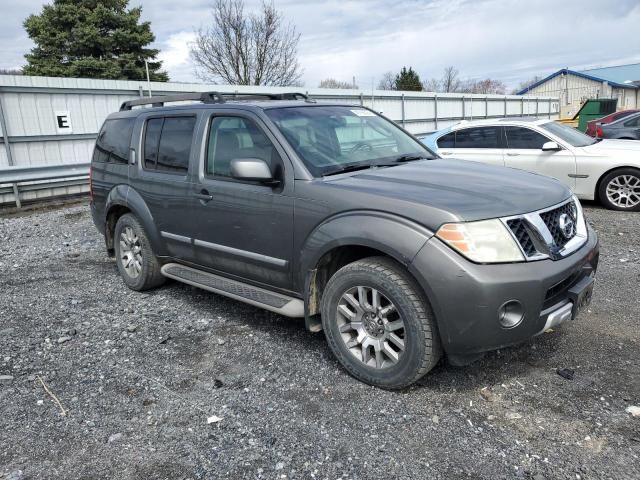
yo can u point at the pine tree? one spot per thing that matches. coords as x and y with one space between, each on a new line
408 80
91 39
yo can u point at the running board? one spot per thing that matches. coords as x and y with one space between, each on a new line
259 297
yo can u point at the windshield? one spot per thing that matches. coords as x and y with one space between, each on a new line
569 134
332 139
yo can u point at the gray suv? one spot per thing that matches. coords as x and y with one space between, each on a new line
333 213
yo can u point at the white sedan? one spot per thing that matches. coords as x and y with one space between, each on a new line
606 170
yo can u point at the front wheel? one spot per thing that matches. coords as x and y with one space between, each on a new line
620 190
379 324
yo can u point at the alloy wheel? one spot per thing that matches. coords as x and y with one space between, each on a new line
130 252
624 191
371 327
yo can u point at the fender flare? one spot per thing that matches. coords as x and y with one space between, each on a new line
123 195
395 236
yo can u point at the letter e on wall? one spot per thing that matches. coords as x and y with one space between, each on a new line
63 122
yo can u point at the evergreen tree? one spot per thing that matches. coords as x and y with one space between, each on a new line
408 80
93 39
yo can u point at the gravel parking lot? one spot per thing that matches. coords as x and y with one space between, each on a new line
139 375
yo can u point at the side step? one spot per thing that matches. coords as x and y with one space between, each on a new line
259 297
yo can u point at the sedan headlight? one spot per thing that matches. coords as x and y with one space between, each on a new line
486 241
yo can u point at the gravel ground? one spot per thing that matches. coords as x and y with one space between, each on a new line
140 374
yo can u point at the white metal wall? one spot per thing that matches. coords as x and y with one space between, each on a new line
29 105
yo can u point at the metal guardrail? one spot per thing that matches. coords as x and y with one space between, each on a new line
18 176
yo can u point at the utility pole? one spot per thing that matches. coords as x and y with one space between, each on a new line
146 66
373 101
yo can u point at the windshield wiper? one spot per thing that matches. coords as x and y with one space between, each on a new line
364 166
409 158
351 168
360 166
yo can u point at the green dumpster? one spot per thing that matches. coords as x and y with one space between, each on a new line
594 109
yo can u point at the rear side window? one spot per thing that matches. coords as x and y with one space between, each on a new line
634 122
619 115
480 137
524 138
112 144
448 141
167 144
151 141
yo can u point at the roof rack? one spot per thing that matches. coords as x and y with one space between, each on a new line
209 97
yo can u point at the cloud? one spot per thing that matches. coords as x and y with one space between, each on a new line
174 53
495 38
503 39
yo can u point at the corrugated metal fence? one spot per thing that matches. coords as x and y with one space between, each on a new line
54 121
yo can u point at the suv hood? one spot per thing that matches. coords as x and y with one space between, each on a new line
468 190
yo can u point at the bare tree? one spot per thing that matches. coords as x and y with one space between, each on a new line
432 85
526 84
387 82
450 81
486 86
333 83
247 49
11 71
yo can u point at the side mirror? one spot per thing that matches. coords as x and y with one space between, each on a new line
551 147
251 169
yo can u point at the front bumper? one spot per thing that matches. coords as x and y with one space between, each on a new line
466 297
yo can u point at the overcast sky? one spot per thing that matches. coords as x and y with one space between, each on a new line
505 39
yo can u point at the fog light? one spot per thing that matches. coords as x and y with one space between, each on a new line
511 314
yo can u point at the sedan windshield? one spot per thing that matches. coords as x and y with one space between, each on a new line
569 134
336 139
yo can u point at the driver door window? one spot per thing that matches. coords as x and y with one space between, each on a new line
236 137
524 151
524 138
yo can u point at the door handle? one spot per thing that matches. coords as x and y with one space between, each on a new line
445 153
512 154
204 195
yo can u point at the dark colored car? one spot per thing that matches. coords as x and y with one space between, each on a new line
612 117
336 214
627 128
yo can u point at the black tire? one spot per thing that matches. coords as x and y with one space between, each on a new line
149 275
422 346
608 178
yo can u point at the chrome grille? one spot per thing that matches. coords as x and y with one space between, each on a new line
551 219
550 233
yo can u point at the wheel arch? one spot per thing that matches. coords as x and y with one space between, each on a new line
612 169
347 238
123 199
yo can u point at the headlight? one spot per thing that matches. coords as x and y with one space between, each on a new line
487 241
581 222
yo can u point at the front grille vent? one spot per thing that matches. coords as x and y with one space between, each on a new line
519 230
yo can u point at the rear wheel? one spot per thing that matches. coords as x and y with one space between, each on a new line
136 261
620 190
379 324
